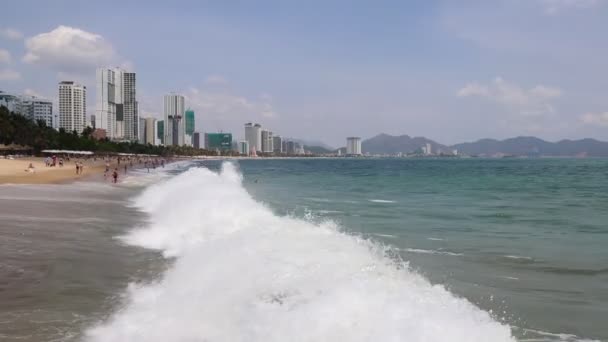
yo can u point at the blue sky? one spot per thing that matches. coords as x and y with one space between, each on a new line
322 70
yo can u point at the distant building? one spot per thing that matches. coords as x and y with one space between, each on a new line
32 107
267 141
93 124
196 140
189 129
99 134
150 131
253 135
353 146
277 144
428 150
37 109
72 106
174 133
218 141
116 108
160 131
290 147
141 134
455 152
244 147
10 101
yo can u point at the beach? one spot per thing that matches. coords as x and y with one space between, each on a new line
16 171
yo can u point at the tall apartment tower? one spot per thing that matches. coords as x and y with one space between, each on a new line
253 135
277 144
174 123
116 108
72 106
353 146
267 141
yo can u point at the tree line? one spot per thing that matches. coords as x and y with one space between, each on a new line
37 136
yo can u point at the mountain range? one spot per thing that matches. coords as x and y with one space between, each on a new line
519 146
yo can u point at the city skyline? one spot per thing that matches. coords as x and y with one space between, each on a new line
437 70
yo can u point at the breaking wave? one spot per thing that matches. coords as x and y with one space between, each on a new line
242 273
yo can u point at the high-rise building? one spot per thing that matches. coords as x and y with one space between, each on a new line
117 108
267 141
174 120
353 146
218 141
150 131
253 135
189 122
277 144
244 147
72 106
141 135
10 101
37 109
196 140
32 107
160 131
429 149
93 121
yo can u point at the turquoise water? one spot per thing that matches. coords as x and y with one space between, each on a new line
526 239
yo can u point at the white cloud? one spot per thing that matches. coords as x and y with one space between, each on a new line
216 80
32 92
534 101
555 6
9 75
68 49
11 34
597 119
5 56
224 110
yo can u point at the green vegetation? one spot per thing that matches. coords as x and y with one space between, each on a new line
36 136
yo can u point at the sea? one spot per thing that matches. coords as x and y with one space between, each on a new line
311 250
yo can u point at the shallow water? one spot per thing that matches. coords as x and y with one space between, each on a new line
340 249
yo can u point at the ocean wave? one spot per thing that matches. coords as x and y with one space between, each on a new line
242 273
381 201
430 251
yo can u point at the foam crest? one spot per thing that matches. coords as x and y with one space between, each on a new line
242 273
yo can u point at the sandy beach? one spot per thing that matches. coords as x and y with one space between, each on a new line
15 171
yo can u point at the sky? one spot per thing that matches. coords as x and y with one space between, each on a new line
452 71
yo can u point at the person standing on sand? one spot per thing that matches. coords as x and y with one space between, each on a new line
77 168
125 169
115 175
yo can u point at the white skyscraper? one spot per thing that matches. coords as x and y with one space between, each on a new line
429 149
117 109
253 135
150 131
72 106
267 141
174 119
353 146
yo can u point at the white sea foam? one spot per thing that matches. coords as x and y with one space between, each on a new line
434 239
518 257
430 251
242 273
381 201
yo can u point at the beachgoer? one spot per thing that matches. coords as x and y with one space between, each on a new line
115 175
30 168
125 169
77 168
